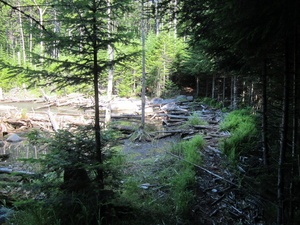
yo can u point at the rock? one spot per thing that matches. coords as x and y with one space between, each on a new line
14 138
2 144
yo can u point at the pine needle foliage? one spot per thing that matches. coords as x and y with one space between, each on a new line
66 189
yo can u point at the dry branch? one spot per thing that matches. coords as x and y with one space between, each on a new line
202 168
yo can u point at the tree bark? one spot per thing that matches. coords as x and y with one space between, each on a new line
22 38
111 68
143 69
283 136
234 93
197 89
213 87
265 148
96 96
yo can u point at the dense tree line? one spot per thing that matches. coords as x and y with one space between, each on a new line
255 44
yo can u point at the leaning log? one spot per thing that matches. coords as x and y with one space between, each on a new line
53 121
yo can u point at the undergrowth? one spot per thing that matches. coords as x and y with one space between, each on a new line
151 191
214 103
243 138
162 188
193 119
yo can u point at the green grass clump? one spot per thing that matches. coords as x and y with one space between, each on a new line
184 181
171 185
189 150
211 102
243 133
194 119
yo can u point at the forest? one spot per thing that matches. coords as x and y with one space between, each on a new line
238 59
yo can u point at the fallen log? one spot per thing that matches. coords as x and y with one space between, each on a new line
175 131
213 122
202 127
16 173
53 121
178 117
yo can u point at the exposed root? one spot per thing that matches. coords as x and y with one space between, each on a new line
141 135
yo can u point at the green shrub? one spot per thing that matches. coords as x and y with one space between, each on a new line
189 150
195 119
71 192
243 133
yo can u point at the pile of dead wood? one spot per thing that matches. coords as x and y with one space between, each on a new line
171 115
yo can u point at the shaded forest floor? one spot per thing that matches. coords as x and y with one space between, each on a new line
219 197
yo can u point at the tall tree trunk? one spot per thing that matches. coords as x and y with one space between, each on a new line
156 18
264 132
143 69
96 96
224 91
22 38
175 19
111 68
293 203
283 136
41 21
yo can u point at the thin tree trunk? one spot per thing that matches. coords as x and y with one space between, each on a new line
41 21
250 99
224 89
175 19
265 148
213 87
156 18
295 135
96 96
143 69
111 68
234 92
197 90
22 38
